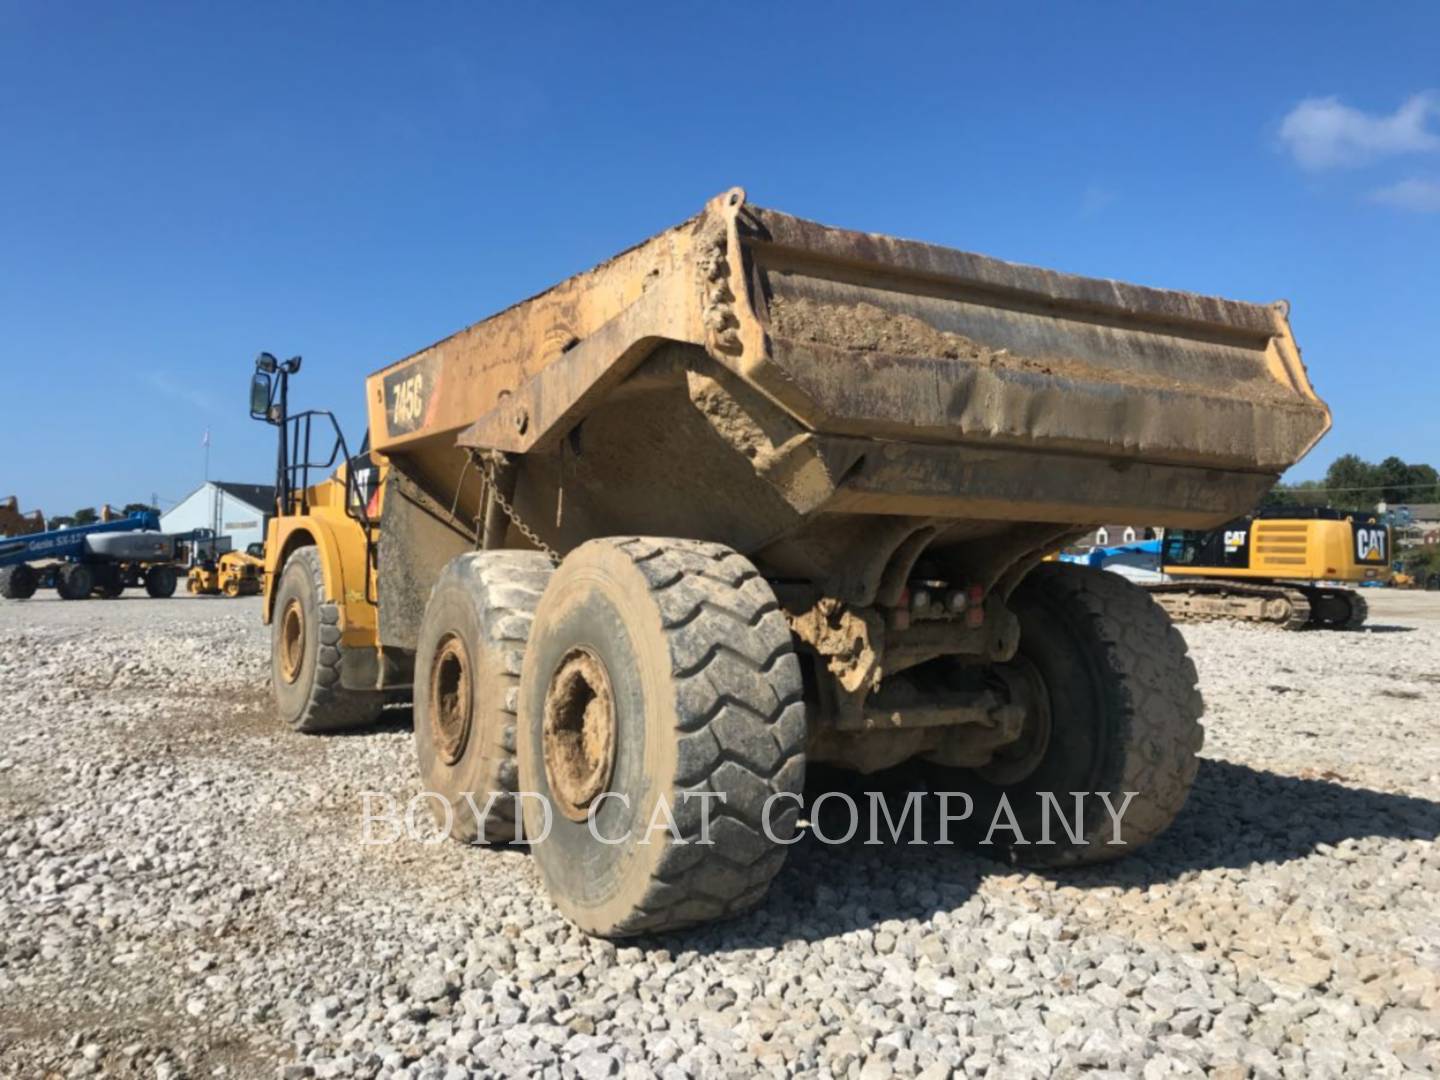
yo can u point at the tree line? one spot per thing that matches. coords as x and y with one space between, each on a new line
1352 483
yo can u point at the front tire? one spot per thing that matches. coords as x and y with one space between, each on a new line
305 653
467 678
18 582
658 668
1122 712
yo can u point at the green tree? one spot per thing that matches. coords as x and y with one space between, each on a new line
1353 483
1393 476
86 515
1305 493
1422 483
140 508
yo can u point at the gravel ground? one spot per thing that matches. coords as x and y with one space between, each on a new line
185 893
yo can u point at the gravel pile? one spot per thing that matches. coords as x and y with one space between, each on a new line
185 894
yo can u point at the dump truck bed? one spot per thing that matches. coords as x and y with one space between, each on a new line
762 380
855 333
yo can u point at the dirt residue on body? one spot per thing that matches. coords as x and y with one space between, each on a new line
867 328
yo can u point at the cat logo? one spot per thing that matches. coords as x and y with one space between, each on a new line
1370 544
1234 539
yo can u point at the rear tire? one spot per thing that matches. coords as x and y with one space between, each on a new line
305 653
467 679
18 582
75 581
657 668
160 581
1124 716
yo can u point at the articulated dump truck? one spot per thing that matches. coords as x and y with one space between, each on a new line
759 493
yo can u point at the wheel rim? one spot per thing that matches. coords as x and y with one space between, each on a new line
1015 761
451 702
292 641
579 732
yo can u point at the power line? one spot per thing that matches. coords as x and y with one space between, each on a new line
1433 486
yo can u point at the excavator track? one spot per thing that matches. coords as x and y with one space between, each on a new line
1337 609
1359 611
1205 599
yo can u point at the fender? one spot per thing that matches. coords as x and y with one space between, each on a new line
342 552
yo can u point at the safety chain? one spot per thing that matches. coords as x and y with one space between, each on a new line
489 461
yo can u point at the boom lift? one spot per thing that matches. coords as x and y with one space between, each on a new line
104 558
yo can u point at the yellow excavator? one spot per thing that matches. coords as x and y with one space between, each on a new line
1289 566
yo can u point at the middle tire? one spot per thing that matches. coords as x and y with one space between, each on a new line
467 674
75 581
659 671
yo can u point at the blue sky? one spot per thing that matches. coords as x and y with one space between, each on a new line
184 185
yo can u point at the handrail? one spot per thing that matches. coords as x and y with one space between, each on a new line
296 474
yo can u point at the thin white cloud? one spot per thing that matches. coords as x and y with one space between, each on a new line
1422 196
1094 199
180 391
1325 133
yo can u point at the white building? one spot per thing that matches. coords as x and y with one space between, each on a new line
236 511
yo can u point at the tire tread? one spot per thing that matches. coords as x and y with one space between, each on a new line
1147 662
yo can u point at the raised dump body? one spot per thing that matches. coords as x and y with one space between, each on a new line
774 384
797 481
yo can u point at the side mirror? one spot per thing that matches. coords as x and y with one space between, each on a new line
260 396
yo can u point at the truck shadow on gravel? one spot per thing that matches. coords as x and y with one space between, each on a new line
1236 816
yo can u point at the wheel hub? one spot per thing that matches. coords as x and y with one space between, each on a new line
292 641
451 702
579 732
1015 761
